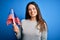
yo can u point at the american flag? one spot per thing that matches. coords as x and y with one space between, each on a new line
12 18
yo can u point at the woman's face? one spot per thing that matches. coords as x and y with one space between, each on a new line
32 10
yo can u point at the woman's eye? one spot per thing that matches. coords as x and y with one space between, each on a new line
29 9
34 8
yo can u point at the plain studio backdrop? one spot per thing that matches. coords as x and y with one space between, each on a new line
50 10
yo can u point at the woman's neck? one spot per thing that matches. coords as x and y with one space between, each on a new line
33 19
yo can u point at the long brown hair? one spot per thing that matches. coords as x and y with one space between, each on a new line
39 18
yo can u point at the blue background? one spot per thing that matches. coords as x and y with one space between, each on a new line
50 10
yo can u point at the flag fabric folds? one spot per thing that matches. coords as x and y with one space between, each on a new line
13 18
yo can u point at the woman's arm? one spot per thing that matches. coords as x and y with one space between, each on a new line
44 34
17 31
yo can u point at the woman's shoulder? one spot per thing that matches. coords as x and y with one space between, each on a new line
24 20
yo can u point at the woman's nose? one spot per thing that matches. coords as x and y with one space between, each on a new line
32 10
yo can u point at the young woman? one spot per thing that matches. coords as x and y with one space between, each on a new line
34 26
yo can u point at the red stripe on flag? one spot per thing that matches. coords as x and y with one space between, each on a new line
9 20
17 21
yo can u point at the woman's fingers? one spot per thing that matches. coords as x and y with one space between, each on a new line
16 29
